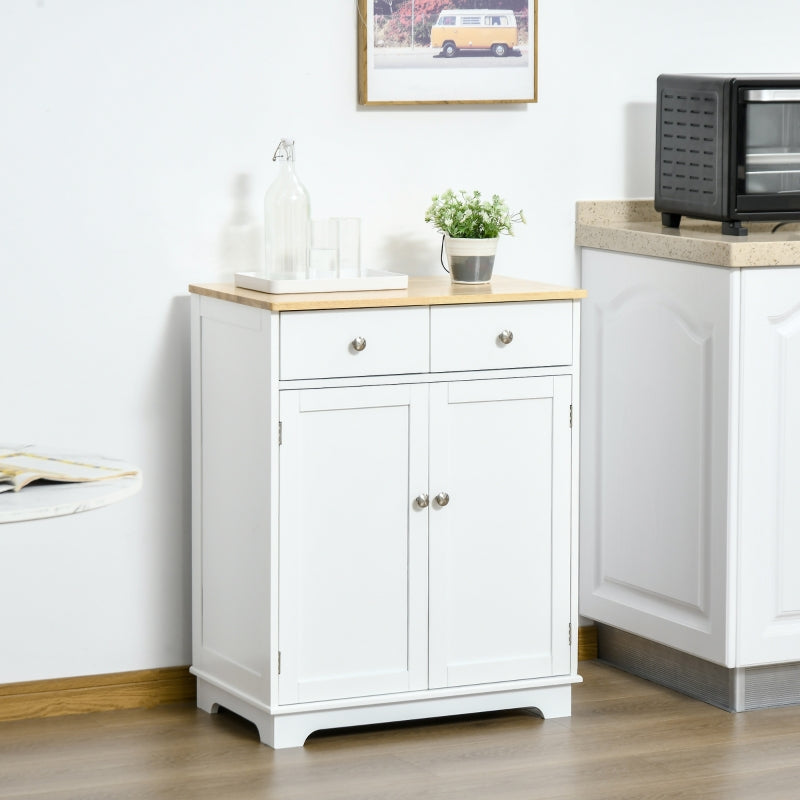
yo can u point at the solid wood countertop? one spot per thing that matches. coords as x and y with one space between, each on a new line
421 291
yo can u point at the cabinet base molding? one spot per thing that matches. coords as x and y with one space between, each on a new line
587 643
80 695
737 689
290 727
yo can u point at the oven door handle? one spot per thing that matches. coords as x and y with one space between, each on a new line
772 95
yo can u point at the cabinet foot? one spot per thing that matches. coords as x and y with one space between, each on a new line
205 701
271 731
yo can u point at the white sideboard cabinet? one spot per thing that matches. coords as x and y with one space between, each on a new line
384 503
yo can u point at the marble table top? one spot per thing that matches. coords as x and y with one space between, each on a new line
41 500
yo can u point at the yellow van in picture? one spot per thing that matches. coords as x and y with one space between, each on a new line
475 29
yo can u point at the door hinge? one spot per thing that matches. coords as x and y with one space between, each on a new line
280 430
570 635
279 662
570 415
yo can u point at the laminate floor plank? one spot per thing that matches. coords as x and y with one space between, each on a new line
627 738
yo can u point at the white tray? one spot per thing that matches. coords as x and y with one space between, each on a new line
374 279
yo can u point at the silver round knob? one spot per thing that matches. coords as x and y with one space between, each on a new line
506 337
442 498
359 343
422 501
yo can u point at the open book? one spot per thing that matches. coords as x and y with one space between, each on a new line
18 468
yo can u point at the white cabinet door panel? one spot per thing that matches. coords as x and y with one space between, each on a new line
654 451
352 543
495 612
769 626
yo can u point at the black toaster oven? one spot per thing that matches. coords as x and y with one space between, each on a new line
728 149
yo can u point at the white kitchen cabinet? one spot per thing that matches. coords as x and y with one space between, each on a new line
690 517
376 539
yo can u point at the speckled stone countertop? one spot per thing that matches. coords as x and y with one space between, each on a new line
634 226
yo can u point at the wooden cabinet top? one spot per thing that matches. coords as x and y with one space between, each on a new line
421 291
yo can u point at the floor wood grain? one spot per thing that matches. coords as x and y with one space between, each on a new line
627 738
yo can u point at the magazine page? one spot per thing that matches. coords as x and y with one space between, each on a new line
19 468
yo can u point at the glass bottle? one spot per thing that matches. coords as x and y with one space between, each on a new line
287 219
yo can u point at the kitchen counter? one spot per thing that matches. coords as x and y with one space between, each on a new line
421 291
689 413
634 226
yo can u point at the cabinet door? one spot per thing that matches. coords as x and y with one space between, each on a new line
500 548
656 422
353 544
769 468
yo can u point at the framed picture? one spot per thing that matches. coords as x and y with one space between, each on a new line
446 51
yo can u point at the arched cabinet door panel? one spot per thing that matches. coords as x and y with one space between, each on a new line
770 467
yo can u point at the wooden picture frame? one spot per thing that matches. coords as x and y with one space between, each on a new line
476 56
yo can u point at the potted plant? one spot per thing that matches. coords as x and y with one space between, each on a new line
470 228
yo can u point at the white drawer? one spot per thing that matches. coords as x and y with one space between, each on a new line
468 337
322 344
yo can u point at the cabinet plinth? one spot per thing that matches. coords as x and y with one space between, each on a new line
384 509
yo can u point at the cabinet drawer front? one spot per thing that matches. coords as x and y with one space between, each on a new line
351 342
472 337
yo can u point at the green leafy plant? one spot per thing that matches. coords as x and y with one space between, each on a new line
465 215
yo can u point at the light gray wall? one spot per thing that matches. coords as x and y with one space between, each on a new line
124 126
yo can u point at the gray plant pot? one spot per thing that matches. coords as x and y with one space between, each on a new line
470 260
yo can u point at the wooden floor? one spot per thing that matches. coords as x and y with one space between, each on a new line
627 738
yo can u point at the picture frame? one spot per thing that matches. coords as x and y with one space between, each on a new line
424 52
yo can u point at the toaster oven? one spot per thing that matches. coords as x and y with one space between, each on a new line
728 149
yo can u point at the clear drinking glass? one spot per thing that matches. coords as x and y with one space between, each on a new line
349 247
324 256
